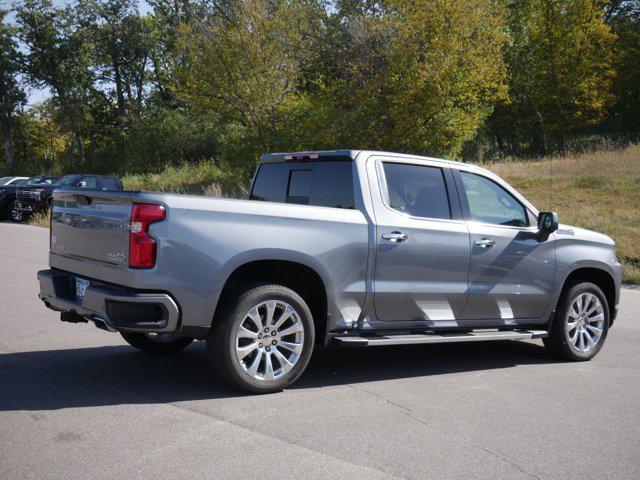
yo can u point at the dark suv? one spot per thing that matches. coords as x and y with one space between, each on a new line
37 198
8 191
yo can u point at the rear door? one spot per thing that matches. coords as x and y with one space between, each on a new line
511 272
422 254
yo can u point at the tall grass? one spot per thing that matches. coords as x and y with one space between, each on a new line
203 178
598 190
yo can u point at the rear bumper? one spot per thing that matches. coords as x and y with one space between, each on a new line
111 307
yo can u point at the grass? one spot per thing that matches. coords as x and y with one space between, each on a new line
204 178
40 219
599 191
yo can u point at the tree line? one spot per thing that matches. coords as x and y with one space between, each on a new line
229 79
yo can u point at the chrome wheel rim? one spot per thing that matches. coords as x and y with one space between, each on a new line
585 322
269 340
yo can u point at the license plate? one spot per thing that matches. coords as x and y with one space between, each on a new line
81 287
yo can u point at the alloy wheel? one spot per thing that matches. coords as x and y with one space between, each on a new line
269 341
584 324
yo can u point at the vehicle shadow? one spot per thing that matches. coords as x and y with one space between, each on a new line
113 375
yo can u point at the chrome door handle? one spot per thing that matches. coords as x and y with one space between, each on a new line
395 237
485 243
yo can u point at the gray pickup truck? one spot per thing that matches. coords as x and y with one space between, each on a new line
357 248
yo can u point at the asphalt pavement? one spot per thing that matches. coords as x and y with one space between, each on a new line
77 402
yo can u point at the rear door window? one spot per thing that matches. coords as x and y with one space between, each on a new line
322 184
417 190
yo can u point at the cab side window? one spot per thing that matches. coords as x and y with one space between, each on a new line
107 183
417 190
88 182
490 203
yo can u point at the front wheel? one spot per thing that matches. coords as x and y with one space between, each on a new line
16 215
262 339
159 343
581 323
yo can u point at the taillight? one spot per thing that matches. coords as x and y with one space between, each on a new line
142 246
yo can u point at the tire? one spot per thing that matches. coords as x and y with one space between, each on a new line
234 327
594 324
162 344
16 215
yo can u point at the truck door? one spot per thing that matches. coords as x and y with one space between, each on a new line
511 273
422 244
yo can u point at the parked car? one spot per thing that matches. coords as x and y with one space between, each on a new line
8 191
11 180
37 197
354 247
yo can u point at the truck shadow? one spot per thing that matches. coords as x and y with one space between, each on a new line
114 375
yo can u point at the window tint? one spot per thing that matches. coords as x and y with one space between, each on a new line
324 184
68 180
107 183
490 203
89 182
300 186
417 190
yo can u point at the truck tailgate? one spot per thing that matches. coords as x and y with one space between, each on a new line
92 224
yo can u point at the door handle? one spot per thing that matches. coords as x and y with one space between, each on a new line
485 243
395 237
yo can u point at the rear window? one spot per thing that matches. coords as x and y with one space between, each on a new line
322 184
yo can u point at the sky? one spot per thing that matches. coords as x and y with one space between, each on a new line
37 95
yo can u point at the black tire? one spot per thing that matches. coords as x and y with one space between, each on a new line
221 342
16 215
162 345
558 341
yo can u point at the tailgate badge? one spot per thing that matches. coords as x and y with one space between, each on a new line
116 257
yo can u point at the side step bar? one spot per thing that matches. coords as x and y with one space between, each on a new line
413 339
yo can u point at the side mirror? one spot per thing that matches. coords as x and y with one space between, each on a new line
547 224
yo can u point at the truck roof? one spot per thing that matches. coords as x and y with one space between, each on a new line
326 155
333 155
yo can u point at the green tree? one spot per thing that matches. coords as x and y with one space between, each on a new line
624 18
121 42
58 57
246 65
418 76
11 93
560 63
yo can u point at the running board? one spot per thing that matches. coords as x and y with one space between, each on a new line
414 339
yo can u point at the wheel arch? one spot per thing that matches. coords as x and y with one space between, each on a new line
599 277
294 274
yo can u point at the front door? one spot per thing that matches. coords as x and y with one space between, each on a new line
422 252
511 272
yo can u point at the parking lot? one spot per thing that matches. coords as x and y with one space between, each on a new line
77 402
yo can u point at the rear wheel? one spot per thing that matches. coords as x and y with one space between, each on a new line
581 323
262 339
161 343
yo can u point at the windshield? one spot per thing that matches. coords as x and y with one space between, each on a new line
32 181
4 180
68 180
